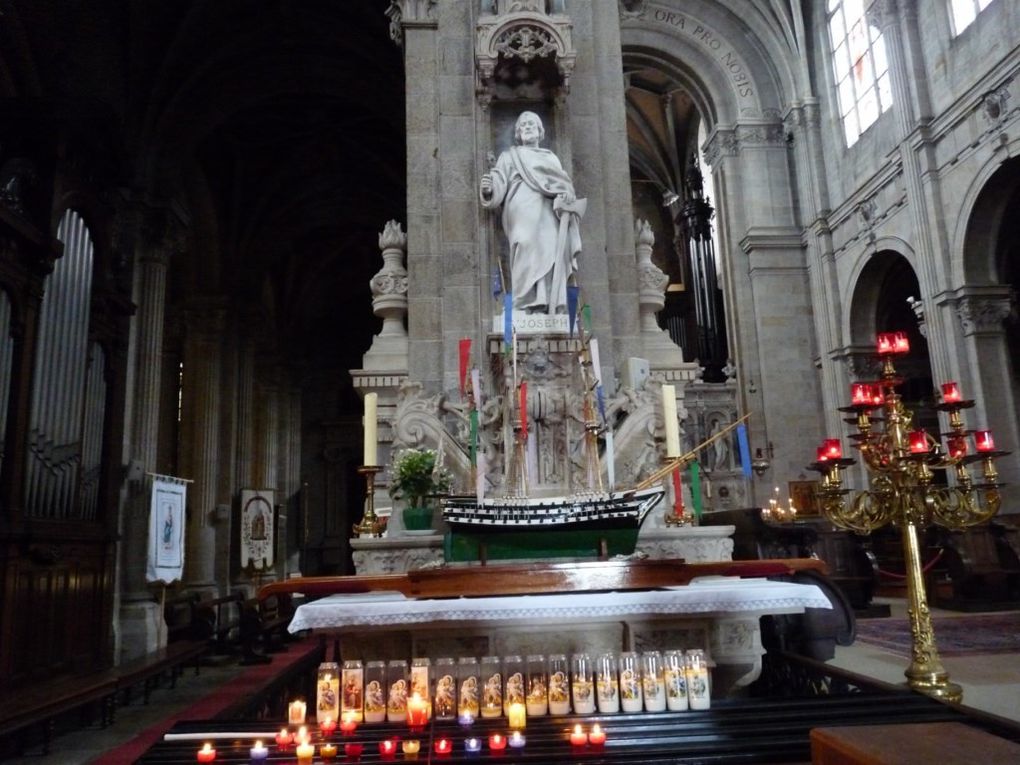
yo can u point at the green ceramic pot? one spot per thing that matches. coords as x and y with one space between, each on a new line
418 518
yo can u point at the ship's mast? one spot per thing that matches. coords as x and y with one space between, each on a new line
589 412
516 485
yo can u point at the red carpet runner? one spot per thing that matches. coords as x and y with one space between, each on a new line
249 682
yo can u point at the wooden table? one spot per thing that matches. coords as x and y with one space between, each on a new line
944 743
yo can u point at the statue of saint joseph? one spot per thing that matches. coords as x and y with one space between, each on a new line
540 218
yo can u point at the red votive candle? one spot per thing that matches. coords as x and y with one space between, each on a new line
919 442
388 748
207 754
348 723
860 393
833 448
417 712
497 742
957 447
597 736
284 737
820 455
443 746
951 393
983 441
900 343
877 395
578 737
885 343
327 725
351 749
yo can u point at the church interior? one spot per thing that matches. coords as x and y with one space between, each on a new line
670 295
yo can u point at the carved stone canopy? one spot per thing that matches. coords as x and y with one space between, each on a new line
525 32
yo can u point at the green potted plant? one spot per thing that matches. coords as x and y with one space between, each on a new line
418 481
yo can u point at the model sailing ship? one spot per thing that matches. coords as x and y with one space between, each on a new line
592 507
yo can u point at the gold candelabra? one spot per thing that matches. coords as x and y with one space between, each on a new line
776 512
369 526
900 460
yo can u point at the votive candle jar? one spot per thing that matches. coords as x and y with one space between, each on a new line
652 684
537 703
349 722
421 681
410 746
607 683
296 712
444 703
596 736
387 749
698 690
517 716
517 740
582 684
351 749
442 746
472 744
259 752
327 724
467 691
375 691
578 737
497 742
305 752
206 754
417 712
559 684
631 699
327 691
328 751
492 687
513 682
352 689
284 737
396 697
674 676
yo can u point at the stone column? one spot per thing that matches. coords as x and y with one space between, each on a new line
981 313
142 627
659 349
200 434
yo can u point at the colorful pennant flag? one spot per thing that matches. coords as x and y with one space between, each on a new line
473 443
524 408
465 354
695 470
508 320
586 315
573 293
745 450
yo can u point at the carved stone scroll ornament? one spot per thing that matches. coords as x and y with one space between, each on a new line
523 32
982 315
406 13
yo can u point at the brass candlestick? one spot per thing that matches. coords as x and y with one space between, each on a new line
369 525
900 460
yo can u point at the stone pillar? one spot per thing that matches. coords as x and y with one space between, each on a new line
142 626
200 438
981 313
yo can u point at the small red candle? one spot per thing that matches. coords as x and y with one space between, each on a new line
597 736
443 746
900 343
327 724
860 393
578 737
417 712
885 343
284 737
957 447
387 748
983 441
497 742
833 448
919 442
877 395
207 754
348 723
951 393
820 455
351 749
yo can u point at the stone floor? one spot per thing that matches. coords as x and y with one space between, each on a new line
990 683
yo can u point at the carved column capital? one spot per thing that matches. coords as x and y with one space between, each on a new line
984 314
410 13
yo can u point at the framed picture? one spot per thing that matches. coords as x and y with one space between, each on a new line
803 495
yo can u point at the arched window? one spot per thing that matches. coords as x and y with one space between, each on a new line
68 389
860 67
965 11
6 352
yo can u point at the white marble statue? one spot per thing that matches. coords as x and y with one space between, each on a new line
540 218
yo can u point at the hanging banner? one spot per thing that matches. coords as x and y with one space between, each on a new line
165 558
257 528
695 480
745 450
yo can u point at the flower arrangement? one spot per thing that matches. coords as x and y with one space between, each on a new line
417 479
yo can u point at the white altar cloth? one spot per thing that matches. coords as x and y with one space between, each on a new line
707 596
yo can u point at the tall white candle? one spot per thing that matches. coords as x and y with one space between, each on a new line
371 428
672 424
